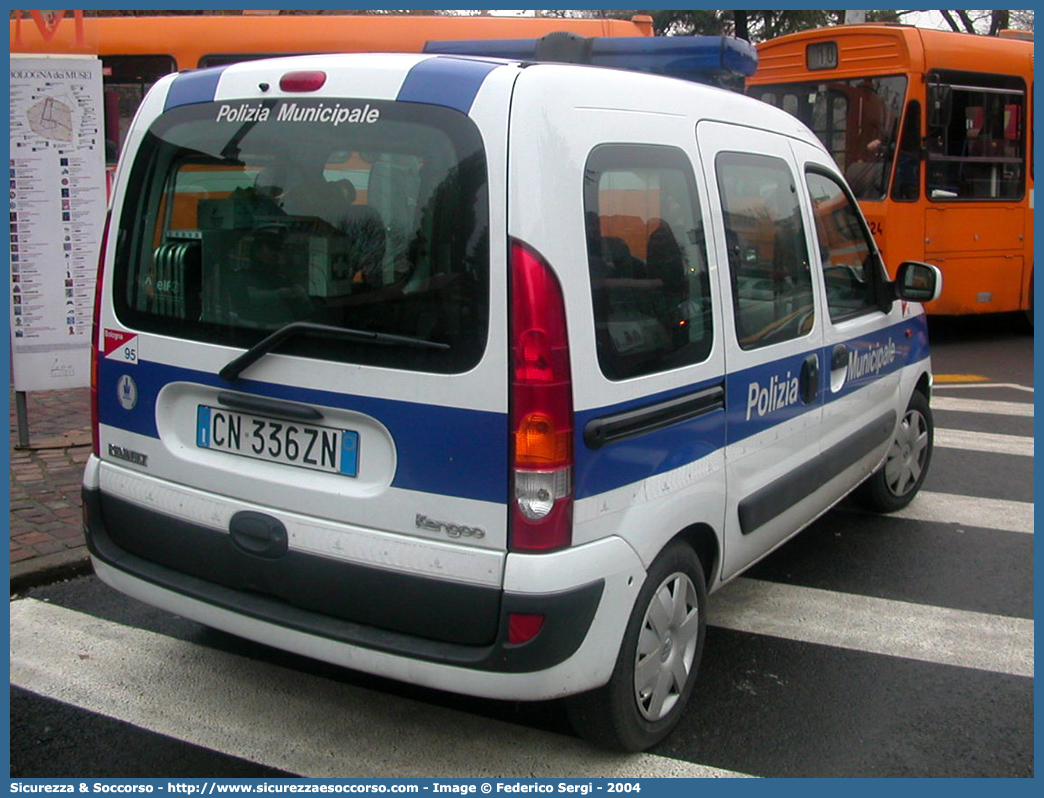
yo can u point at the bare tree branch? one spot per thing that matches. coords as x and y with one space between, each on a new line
950 21
742 28
999 20
969 26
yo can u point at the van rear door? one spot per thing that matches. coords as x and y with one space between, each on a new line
312 280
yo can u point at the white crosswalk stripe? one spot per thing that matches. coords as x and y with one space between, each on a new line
879 626
250 709
961 405
1018 445
969 511
299 723
933 634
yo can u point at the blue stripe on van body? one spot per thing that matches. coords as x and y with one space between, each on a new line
635 459
873 355
452 82
190 88
466 457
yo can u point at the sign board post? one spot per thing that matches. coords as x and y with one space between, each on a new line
58 202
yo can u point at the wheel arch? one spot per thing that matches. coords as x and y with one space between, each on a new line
924 386
703 540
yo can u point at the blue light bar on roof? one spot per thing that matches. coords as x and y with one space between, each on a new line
696 58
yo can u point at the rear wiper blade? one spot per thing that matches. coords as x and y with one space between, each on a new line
235 367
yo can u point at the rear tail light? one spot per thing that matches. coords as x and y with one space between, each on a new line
522 627
541 407
96 337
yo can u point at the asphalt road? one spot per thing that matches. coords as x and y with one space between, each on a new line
868 646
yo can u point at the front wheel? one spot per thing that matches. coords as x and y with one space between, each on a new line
656 667
897 481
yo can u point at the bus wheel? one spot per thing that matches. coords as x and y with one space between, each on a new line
656 667
897 481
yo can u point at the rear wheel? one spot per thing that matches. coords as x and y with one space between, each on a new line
897 481
656 667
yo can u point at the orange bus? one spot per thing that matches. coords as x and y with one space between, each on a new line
136 51
934 131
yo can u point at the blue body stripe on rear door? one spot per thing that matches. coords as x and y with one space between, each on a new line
435 445
193 87
452 82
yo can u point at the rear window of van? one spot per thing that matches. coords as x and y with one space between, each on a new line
351 215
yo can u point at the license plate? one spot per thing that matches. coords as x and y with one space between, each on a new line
335 451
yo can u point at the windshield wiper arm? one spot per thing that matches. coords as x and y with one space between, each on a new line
235 367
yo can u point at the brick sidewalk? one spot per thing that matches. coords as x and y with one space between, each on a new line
46 524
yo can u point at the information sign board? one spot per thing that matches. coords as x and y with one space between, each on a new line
58 198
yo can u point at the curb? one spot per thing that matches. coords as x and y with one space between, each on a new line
67 440
50 568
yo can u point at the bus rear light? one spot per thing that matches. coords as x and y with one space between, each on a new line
541 407
302 81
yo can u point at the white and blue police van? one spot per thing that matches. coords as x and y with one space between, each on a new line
481 373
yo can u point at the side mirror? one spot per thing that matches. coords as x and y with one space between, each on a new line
917 282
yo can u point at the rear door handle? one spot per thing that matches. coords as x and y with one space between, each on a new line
810 379
839 357
838 367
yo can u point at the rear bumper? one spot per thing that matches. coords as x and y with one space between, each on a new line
575 650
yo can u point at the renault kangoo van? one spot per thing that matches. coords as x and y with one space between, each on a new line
481 373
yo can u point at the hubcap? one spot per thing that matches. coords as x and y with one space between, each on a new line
666 647
906 456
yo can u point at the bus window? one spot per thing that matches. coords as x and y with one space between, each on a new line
975 140
964 145
126 79
857 120
907 184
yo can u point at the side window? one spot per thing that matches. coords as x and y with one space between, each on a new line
647 259
907 185
845 254
768 256
976 144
